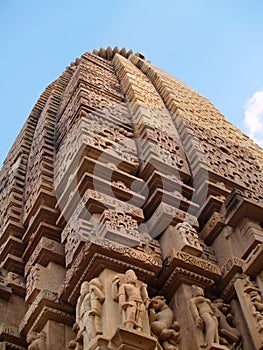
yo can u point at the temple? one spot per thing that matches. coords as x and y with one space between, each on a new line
131 217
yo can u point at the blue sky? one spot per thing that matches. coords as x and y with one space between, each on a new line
214 46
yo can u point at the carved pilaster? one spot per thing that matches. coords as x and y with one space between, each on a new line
252 309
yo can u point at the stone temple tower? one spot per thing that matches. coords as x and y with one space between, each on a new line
131 217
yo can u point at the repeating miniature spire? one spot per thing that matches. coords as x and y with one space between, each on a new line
131 213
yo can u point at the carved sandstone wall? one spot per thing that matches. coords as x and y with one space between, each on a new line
131 217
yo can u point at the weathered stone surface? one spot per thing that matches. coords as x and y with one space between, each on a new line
130 207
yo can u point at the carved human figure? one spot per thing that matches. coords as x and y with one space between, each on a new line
84 322
203 313
88 311
36 341
97 299
224 317
162 323
255 302
132 298
76 345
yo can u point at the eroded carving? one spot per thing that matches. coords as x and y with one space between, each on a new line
228 334
36 341
88 311
204 317
255 303
119 221
163 324
133 299
188 237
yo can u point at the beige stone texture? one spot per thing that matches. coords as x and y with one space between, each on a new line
131 217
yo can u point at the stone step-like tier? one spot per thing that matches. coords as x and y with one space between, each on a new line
131 217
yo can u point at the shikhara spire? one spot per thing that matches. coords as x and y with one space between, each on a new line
131 213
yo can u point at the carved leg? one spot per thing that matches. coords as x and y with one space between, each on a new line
139 316
166 334
168 346
211 329
130 316
98 327
91 327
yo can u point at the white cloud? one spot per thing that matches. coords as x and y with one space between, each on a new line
254 117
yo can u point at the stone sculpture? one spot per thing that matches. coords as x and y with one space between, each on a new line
115 153
36 341
75 344
133 299
224 317
205 318
188 233
253 293
255 302
88 311
162 323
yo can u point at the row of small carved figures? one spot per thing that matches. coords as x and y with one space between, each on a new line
212 318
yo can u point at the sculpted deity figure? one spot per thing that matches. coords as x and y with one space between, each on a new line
36 341
88 311
132 298
203 313
226 331
162 323
253 293
255 302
